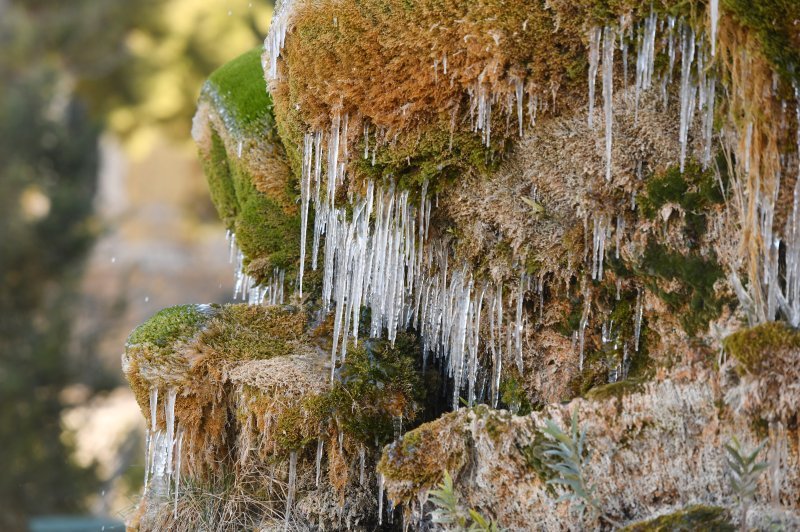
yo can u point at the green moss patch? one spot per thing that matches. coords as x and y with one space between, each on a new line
252 332
695 301
753 347
616 390
180 322
420 457
696 518
695 190
254 198
378 384
242 92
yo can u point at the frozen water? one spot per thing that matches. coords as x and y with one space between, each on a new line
595 35
608 87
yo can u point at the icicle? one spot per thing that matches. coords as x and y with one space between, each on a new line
608 88
397 425
708 126
687 90
637 320
380 499
713 11
362 462
599 247
150 444
320 445
496 324
518 89
582 328
518 325
178 447
305 197
169 417
291 488
594 59
645 59
273 44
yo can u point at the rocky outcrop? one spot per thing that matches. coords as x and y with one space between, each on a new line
545 217
650 449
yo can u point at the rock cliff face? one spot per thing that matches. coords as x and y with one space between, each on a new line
548 250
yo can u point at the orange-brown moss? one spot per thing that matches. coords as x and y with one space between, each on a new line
421 456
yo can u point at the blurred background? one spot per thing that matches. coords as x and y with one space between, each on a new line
104 219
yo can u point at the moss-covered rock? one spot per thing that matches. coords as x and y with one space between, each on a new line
247 168
696 518
766 359
756 347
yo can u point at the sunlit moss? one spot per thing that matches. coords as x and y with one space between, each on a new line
252 332
378 384
170 324
242 91
421 456
247 170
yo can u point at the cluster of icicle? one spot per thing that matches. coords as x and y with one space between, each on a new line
697 88
779 271
245 287
482 99
378 255
162 473
697 80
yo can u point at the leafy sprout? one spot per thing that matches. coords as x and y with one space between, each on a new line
566 455
744 472
451 516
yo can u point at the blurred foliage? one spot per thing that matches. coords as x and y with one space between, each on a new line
67 70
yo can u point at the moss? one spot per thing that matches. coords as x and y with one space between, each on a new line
695 301
377 384
433 156
242 91
220 183
695 190
420 457
171 324
775 25
754 346
252 332
419 118
616 389
513 395
259 209
266 234
696 518
497 425
536 460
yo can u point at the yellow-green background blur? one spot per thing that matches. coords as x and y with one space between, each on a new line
104 219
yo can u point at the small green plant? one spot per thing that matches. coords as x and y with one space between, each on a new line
744 472
566 455
451 516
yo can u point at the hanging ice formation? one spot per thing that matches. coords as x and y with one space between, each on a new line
244 287
162 471
378 255
290 489
608 91
276 37
594 61
776 290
